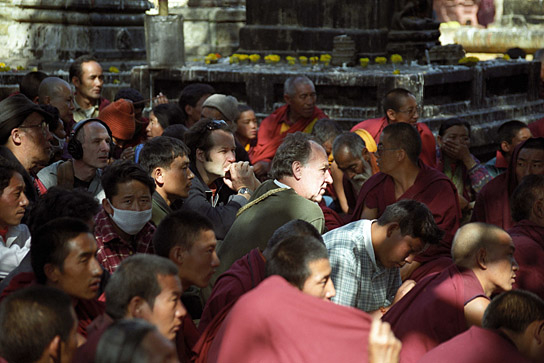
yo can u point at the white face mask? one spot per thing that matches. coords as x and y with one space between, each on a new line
129 221
61 141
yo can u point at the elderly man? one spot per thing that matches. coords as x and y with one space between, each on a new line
89 145
300 172
298 114
403 176
445 304
56 92
221 185
400 105
87 77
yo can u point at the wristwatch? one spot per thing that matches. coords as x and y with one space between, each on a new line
245 190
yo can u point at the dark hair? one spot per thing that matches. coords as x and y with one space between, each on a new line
294 228
404 136
516 53
526 193
176 131
123 171
199 136
394 99
536 143
291 258
295 147
13 112
130 94
191 94
445 125
137 275
508 130
7 170
30 84
513 310
325 130
161 152
52 118
59 202
180 228
168 114
76 69
353 142
243 108
50 244
414 219
122 342
30 319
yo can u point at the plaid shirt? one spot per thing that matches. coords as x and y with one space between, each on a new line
359 280
112 249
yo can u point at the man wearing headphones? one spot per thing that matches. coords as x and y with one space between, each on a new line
89 145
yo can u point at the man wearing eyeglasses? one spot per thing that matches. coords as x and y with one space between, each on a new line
221 185
400 105
366 255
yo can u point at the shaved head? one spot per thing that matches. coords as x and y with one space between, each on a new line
470 238
51 87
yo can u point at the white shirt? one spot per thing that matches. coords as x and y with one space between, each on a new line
14 248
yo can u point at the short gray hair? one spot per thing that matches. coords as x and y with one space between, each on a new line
352 141
291 82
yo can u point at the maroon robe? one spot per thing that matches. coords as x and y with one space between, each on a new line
433 311
528 238
244 274
493 201
375 127
269 137
87 352
537 128
476 345
431 188
276 322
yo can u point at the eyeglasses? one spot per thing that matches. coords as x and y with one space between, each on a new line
216 124
412 111
43 125
381 149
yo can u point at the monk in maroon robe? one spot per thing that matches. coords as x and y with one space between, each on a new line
299 114
403 176
445 304
528 233
493 202
510 332
400 105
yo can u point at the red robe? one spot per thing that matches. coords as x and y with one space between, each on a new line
476 345
375 127
537 128
244 274
186 338
431 188
493 201
275 322
528 238
269 136
86 310
433 311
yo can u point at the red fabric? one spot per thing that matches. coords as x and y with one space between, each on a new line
333 220
537 128
112 249
87 352
39 186
493 201
431 188
433 311
500 160
86 310
528 238
375 127
244 274
269 137
275 322
186 338
476 345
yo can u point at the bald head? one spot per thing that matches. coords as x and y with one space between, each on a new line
56 92
472 237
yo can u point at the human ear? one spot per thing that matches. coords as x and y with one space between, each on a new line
158 175
365 154
297 169
51 272
200 155
136 307
482 258
391 114
107 207
391 227
287 99
177 255
53 349
16 136
505 146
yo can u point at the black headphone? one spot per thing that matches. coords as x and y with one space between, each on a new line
74 145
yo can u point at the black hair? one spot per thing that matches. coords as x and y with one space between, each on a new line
404 136
30 319
445 125
191 94
176 131
180 228
7 170
199 136
414 219
513 310
161 152
394 99
50 244
123 171
168 114
76 68
30 84
528 191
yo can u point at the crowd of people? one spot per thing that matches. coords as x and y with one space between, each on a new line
195 233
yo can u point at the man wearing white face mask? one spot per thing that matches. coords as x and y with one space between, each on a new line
123 228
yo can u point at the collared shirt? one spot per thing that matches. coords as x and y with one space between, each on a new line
14 248
360 280
112 249
82 114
